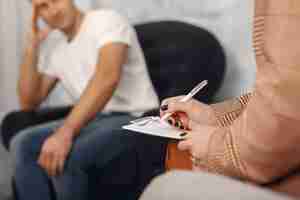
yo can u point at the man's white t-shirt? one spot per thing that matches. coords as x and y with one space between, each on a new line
74 63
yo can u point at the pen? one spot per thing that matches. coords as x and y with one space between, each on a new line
189 96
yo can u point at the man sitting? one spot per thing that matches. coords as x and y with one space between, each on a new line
99 62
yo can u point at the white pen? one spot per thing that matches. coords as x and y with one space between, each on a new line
189 96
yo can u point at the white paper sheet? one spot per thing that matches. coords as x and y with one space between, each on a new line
156 128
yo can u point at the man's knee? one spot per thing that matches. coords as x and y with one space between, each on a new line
25 146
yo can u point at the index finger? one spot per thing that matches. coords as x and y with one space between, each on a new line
167 100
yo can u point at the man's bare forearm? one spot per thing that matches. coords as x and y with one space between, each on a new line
99 89
29 79
93 100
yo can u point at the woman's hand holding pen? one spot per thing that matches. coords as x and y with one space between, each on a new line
198 121
189 114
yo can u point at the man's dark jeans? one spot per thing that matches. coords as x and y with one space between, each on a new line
98 143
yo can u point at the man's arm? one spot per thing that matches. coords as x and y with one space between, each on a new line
33 86
100 88
98 92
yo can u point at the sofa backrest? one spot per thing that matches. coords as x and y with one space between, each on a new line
180 55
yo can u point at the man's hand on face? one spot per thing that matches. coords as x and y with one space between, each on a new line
37 35
55 151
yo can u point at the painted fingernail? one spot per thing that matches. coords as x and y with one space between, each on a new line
170 121
183 134
164 107
177 124
182 127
